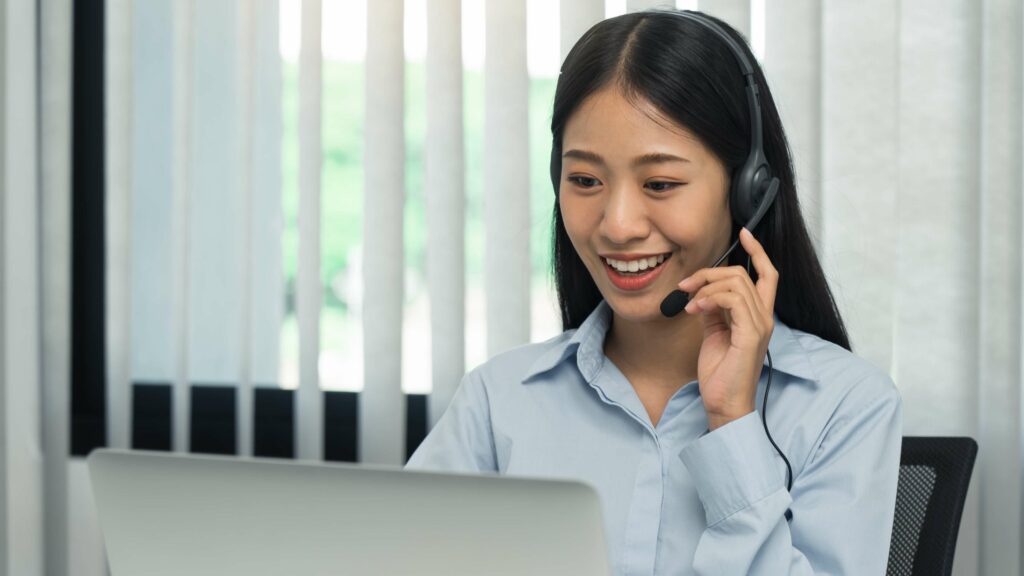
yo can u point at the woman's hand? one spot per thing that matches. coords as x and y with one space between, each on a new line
738 324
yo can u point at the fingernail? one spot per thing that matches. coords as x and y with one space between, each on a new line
684 281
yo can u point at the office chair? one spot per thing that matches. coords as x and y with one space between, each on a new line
934 475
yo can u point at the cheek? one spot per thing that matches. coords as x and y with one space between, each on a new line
577 217
682 221
692 223
581 219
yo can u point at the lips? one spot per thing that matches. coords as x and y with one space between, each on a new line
633 281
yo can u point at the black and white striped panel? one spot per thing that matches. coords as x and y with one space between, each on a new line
214 421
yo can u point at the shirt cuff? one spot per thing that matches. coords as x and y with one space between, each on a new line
732 467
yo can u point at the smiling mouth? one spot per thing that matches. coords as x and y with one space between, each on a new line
637 267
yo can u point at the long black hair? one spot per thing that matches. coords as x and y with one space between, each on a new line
690 75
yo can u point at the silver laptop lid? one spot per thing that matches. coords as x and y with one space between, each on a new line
164 513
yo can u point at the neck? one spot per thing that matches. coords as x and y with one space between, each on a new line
664 350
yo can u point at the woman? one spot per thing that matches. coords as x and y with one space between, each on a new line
651 125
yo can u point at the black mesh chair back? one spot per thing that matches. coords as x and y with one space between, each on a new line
934 475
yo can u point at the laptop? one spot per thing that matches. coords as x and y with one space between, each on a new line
166 513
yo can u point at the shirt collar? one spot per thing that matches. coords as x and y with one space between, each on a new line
587 345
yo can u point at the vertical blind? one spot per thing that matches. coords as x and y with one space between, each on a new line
444 187
905 121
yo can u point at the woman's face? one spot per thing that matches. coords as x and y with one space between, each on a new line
631 190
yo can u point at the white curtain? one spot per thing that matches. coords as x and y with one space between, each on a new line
920 209
905 125
24 491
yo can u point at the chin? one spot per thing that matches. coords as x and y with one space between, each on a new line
637 308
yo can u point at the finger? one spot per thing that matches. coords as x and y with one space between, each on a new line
708 276
767 275
741 321
706 304
742 286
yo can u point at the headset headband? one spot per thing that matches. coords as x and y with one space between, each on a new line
746 68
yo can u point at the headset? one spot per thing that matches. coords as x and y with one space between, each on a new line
753 190
753 187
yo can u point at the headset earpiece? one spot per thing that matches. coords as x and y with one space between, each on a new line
750 189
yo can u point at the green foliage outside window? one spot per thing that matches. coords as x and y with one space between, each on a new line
342 182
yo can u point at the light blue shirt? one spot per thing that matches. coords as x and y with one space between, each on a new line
677 499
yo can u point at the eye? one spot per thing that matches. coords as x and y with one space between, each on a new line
663 186
584 181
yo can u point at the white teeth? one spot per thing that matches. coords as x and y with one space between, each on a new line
636 265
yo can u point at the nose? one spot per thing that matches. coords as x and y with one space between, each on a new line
625 216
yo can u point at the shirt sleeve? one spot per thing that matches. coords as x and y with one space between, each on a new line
843 501
462 440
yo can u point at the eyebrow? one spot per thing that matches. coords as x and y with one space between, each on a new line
651 158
